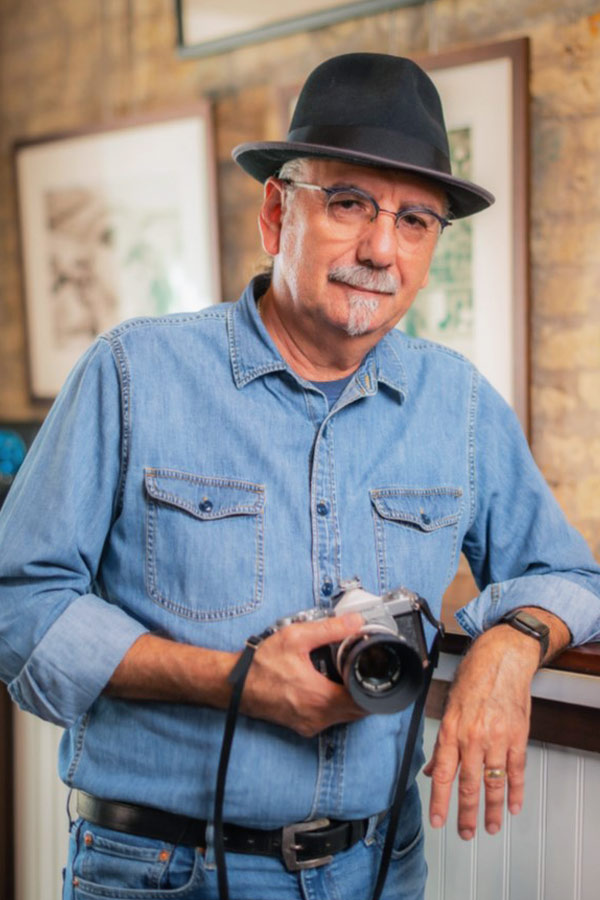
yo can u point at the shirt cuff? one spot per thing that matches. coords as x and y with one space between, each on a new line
578 608
75 659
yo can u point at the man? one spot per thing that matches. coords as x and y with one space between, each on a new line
201 476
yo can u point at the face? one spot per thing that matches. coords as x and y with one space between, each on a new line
323 278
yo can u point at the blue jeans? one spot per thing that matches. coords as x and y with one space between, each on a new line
115 866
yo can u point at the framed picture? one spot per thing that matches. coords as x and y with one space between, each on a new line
203 29
15 440
477 298
115 222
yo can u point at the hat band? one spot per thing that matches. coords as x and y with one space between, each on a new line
400 149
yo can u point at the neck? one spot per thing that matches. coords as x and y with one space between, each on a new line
313 349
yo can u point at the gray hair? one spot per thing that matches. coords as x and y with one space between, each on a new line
294 169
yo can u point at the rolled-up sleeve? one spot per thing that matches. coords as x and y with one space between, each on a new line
520 547
60 640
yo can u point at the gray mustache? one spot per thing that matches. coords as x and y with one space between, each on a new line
367 279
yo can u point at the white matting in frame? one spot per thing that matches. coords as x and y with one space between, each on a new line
115 224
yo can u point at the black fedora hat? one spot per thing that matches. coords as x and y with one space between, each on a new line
374 110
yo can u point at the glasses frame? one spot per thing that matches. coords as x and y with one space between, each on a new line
400 214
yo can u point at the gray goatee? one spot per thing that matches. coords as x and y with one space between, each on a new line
363 308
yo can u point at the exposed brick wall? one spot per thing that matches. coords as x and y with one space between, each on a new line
69 64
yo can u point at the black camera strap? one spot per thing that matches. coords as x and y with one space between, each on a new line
237 678
402 780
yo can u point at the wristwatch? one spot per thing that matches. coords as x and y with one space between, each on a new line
528 624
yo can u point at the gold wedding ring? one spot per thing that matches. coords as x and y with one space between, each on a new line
494 773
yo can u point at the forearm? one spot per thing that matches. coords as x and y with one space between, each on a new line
155 668
283 686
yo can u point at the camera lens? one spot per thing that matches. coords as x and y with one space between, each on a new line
382 672
378 667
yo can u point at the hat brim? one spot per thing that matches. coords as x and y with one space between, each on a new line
262 159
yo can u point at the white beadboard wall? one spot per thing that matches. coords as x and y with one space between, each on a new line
551 851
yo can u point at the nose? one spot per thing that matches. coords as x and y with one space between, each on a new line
378 243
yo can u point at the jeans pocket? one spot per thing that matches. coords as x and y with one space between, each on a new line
119 866
409 831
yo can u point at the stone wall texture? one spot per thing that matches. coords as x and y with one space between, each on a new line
73 64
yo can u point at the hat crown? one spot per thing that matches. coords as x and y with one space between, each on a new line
374 110
372 91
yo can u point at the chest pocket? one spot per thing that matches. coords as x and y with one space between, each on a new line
416 531
204 544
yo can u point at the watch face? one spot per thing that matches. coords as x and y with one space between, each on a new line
531 622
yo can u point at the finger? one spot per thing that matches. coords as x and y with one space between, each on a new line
331 630
469 788
442 770
516 780
494 780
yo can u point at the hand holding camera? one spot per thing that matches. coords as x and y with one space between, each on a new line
371 650
284 687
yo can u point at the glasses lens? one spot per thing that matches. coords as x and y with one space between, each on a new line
350 208
415 226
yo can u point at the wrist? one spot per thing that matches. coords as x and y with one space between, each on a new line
502 644
532 627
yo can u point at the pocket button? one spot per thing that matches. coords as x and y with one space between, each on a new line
206 505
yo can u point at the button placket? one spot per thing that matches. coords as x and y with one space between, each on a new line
323 518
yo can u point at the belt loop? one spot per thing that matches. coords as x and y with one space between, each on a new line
373 822
68 808
209 856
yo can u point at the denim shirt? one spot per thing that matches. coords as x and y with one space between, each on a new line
188 483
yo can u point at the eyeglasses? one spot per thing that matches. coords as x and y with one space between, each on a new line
350 210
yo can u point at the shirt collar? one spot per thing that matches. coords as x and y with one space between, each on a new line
253 353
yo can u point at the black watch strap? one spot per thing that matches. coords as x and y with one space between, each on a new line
528 624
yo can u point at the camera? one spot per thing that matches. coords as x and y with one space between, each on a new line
382 665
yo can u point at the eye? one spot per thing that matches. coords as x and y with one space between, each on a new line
416 221
349 205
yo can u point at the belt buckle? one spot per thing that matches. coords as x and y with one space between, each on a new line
289 847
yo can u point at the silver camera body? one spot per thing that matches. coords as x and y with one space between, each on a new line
382 665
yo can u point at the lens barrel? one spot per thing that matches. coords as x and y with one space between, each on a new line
381 671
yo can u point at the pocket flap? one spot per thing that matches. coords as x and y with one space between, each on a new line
202 496
426 509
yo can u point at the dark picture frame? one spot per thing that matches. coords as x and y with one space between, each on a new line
308 16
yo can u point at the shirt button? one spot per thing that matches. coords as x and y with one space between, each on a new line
327 588
323 508
206 505
425 519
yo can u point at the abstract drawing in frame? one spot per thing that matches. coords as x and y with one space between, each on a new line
115 223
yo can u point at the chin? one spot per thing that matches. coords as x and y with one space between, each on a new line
362 311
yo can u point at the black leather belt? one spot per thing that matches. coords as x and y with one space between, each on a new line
303 845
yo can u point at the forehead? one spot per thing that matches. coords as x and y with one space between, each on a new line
378 182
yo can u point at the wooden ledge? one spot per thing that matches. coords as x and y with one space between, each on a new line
584 660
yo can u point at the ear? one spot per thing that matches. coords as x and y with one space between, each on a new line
269 218
425 281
